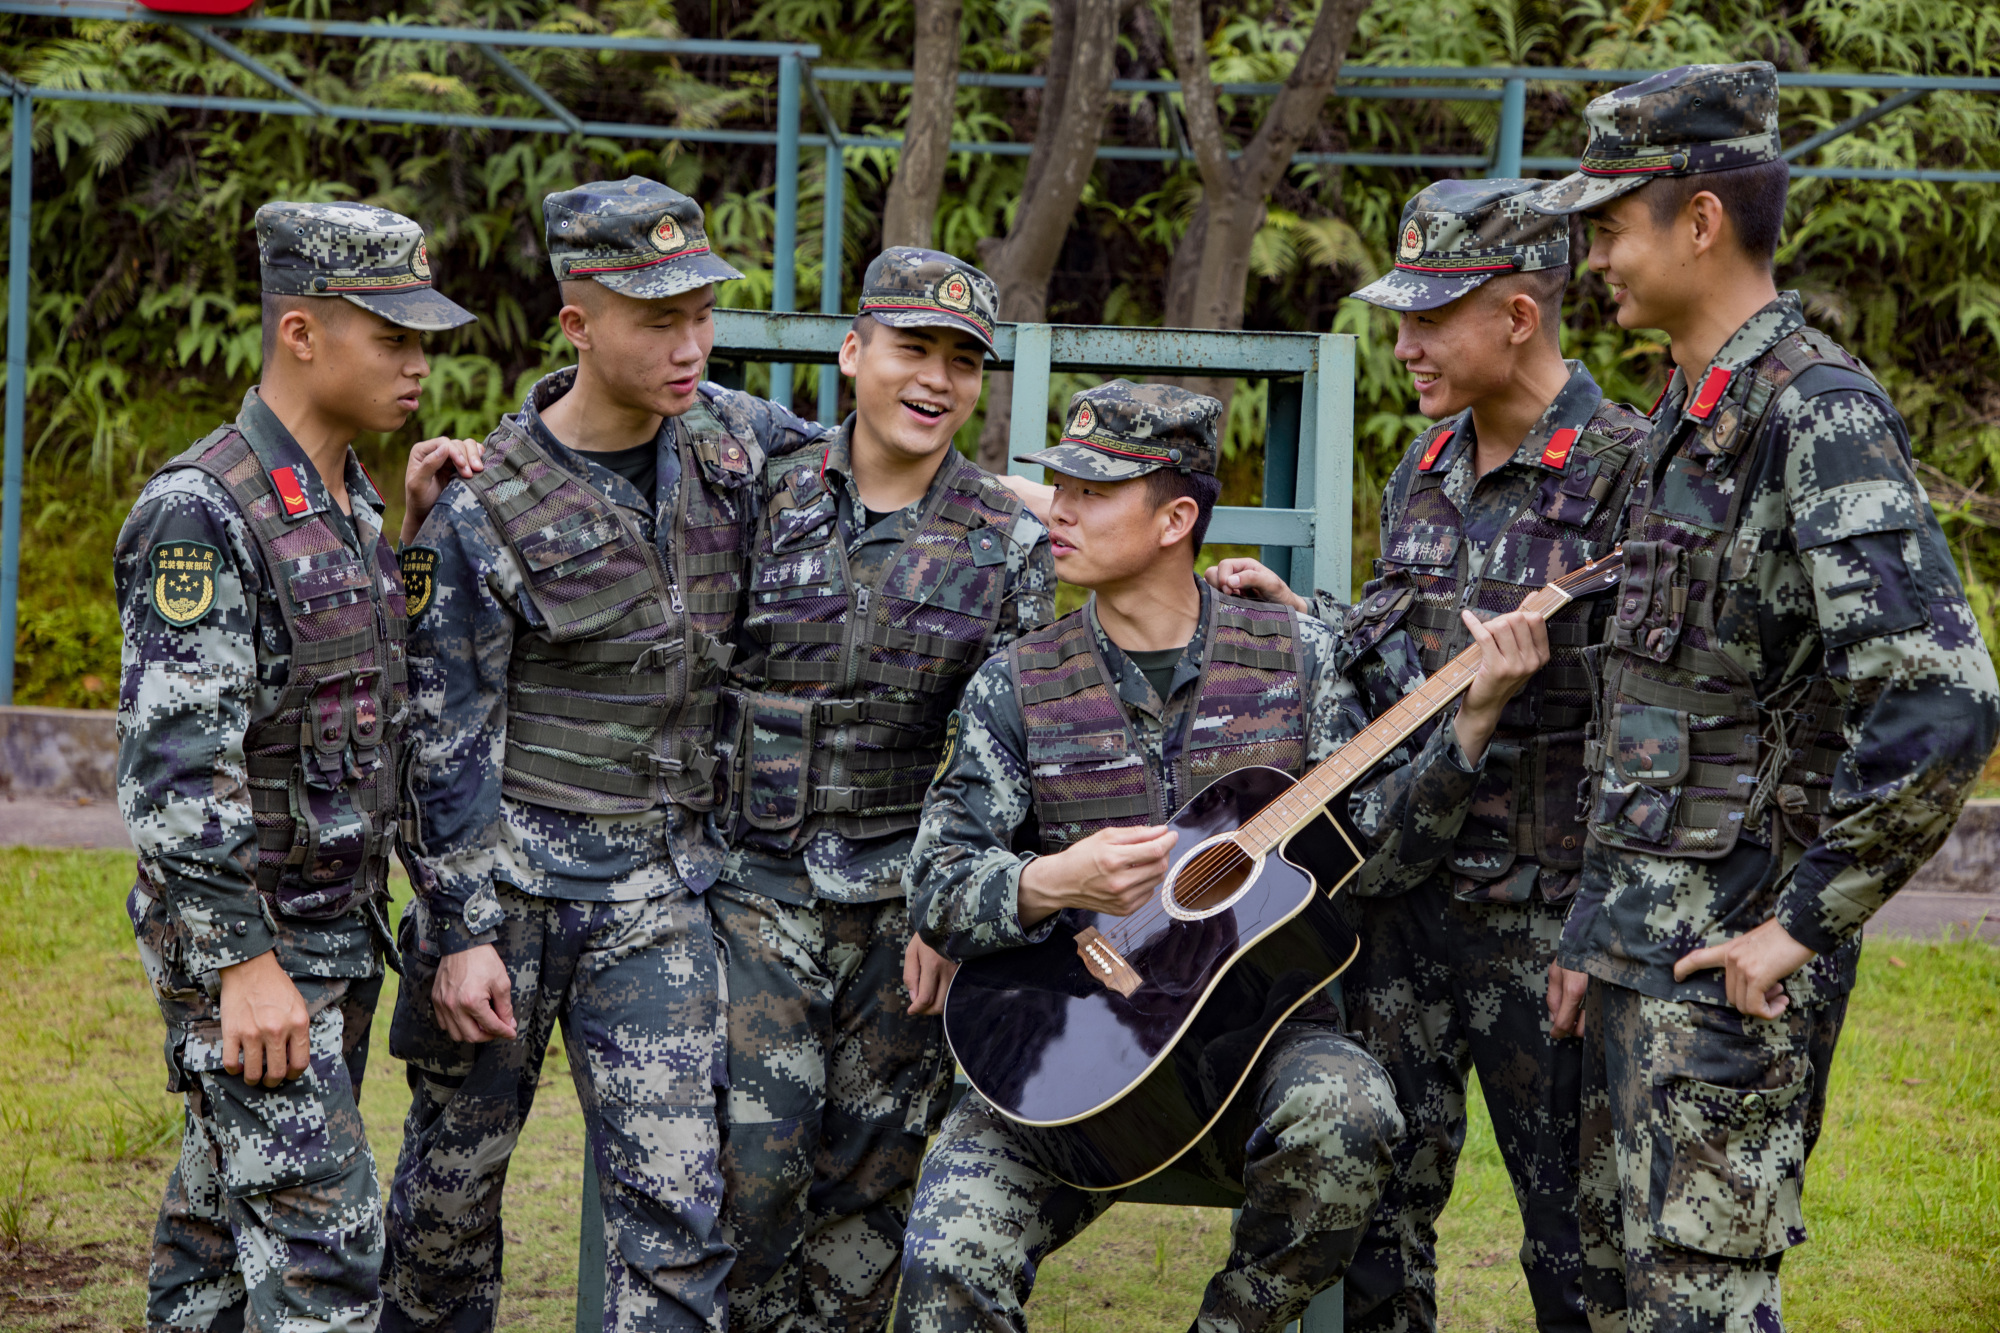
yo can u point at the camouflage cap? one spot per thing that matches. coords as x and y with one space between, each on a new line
1692 119
374 258
1122 430
909 288
635 236
1458 234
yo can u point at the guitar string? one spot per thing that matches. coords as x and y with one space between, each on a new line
1124 933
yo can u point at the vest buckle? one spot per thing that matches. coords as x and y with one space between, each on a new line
840 712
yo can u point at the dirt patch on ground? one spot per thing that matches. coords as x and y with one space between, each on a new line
37 1281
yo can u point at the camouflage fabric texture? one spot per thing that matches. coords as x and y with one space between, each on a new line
634 236
1681 121
638 990
271 1218
1307 1140
1697 1123
470 834
374 258
1828 566
964 874
1444 986
1122 430
910 288
834 1086
1457 235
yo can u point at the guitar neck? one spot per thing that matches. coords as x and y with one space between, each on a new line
1331 778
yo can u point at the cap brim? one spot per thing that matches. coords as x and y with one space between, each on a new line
669 279
930 319
1579 192
1074 460
1399 289
425 309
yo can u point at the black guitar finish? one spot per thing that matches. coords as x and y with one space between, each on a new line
1110 1088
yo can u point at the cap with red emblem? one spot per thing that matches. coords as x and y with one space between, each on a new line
635 236
366 255
1457 235
1122 430
910 288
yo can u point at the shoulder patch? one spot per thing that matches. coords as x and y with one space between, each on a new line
183 584
419 565
950 748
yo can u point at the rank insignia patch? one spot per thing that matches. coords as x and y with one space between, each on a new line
184 581
419 579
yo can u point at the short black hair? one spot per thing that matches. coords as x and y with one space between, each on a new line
1545 286
275 306
581 292
1753 197
1166 485
865 326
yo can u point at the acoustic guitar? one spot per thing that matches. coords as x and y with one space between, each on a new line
1117 1042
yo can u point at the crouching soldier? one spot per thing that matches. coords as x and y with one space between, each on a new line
259 725
885 568
571 610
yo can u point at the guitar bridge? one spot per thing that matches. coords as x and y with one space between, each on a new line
1104 961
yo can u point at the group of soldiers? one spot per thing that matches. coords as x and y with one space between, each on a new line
719 738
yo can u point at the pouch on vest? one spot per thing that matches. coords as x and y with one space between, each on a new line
1652 600
1571 498
337 838
774 744
1064 769
1370 620
1635 813
1728 1166
1649 745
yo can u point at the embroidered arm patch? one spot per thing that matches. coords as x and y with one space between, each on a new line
419 564
183 582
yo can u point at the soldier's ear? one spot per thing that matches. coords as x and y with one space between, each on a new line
850 354
299 336
574 320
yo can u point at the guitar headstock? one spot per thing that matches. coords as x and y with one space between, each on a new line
1600 575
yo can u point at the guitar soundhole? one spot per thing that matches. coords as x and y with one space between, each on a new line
1209 880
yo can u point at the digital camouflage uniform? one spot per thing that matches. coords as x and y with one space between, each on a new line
259 715
1795 701
1309 1138
1456 940
568 638
861 630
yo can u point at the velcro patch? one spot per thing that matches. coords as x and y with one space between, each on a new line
419 564
183 583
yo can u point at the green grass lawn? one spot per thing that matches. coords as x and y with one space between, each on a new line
1903 1197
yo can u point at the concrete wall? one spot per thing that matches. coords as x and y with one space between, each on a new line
59 753
1969 861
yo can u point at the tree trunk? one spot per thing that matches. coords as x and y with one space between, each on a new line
914 193
1210 277
1082 59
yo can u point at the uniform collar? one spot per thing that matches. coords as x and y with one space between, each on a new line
837 473
544 394
1132 687
302 493
1758 335
1551 441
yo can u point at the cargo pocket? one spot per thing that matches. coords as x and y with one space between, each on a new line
1727 1167
1652 600
774 760
1649 745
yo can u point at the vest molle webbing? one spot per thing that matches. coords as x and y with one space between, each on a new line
1684 751
323 767
1528 805
1087 769
859 679
611 706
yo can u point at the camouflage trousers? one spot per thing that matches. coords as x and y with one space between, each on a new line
1697 1122
636 988
1307 1139
1443 987
271 1221
833 1088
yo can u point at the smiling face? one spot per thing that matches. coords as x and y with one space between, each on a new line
1461 353
648 355
365 373
1647 266
1103 533
913 388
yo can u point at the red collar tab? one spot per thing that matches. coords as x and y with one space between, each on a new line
1430 458
290 493
1654 410
1560 443
1713 386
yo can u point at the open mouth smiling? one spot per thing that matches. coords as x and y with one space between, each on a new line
929 411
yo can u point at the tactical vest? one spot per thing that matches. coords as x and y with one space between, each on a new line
323 766
1529 803
859 678
1685 749
611 701
1088 770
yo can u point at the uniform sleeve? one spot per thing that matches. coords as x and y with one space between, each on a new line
459 650
1031 583
964 877
1921 705
187 687
774 430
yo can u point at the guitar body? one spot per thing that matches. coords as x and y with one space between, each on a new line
1111 1087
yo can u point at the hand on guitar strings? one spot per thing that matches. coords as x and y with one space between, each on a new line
1113 871
927 976
1516 647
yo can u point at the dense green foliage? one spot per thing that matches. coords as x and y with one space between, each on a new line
144 297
